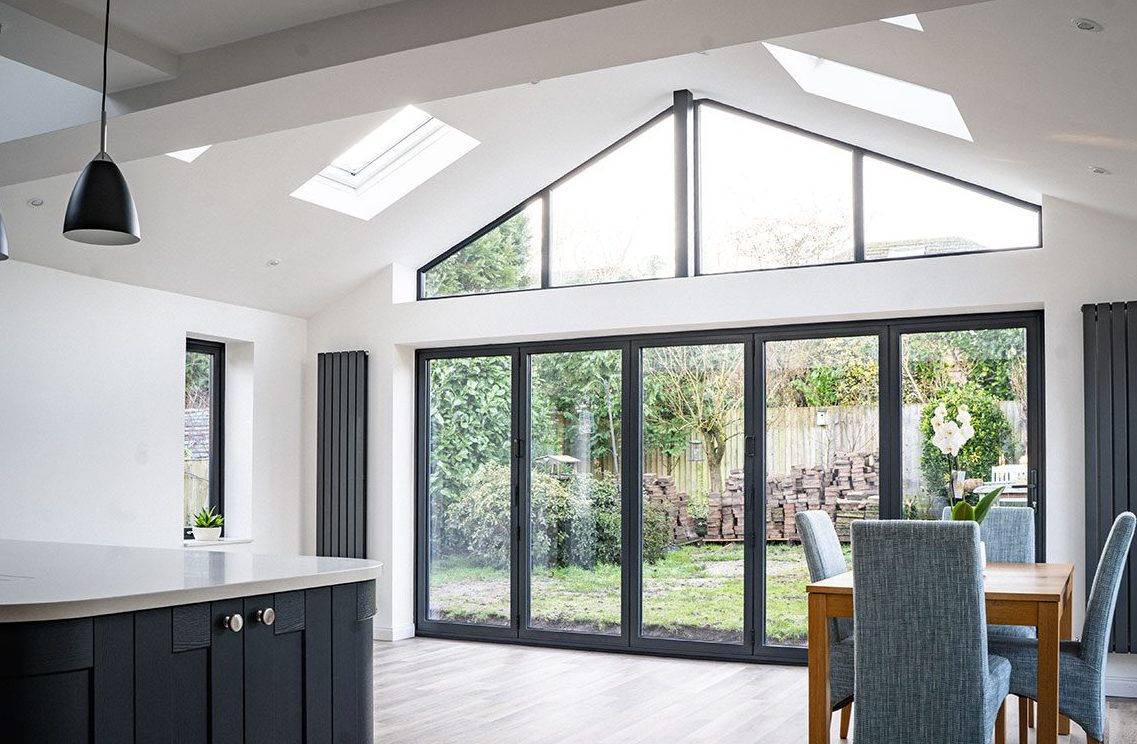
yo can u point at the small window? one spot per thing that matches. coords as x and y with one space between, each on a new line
912 213
770 197
203 443
505 258
615 219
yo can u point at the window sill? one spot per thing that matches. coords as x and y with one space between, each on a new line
215 543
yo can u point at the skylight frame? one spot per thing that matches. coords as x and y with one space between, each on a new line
873 92
409 149
687 151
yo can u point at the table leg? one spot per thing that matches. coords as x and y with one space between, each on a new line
1048 631
819 708
1067 633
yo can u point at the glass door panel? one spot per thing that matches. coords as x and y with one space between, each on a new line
979 377
469 492
693 558
575 546
822 452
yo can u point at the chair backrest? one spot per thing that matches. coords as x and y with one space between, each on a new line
1008 533
920 628
1103 594
824 557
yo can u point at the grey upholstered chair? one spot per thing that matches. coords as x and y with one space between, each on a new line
922 670
1081 693
825 558
1008 533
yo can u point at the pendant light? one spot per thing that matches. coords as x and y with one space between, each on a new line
101 210
3 241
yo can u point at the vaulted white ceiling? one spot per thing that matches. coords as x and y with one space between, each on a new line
1042 100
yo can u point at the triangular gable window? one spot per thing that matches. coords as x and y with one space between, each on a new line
704 188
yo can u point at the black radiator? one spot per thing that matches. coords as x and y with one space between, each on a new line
1110 340
341 455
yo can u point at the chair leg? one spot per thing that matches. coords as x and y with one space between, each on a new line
1001 724
1091 740
846 716
1024 706
1030 713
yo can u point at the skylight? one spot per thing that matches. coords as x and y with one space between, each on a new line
400 155
871 91
190 155
907 21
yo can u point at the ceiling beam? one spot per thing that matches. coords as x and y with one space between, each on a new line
67 42
418 51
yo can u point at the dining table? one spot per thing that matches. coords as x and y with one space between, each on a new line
1034 594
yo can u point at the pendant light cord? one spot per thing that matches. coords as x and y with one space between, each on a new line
106 44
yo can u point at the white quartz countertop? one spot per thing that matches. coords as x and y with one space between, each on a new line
56 581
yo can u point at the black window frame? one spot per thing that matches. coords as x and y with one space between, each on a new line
754 648
216 350
688 201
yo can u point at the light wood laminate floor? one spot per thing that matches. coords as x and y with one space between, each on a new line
461 692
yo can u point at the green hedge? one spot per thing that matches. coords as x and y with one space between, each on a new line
991 443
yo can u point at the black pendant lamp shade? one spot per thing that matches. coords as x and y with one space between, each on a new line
3 241
101 210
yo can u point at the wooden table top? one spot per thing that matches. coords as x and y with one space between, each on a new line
1037 582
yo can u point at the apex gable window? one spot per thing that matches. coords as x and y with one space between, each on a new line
204 436
705 188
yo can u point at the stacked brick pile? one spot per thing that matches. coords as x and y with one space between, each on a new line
660 489
726 516
848 490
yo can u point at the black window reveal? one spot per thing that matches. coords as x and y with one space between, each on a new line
204 435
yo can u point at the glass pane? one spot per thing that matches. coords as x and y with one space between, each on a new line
909 213
822 452
770 197
615 219
693 490
986 371
469 490
198 439
574 480
507 257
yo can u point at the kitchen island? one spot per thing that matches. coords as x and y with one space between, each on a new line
115 644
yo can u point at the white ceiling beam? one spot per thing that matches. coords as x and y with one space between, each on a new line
67 42
418 51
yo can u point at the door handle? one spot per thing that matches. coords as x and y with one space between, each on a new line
233 623
266 616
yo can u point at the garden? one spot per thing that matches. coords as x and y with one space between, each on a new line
820 407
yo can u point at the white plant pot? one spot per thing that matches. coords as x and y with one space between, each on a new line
207 534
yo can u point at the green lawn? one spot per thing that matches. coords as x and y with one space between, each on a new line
695 592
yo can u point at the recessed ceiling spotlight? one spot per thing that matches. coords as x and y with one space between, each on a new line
1087 24
35 201
1097 170
272 263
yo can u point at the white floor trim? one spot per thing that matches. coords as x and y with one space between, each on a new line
1125 687
382 633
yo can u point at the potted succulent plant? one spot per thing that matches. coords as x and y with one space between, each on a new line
207 525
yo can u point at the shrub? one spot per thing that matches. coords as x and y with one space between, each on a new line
607 518
479 519
991 443
657 533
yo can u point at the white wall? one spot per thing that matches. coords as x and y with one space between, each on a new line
1088 257
92 377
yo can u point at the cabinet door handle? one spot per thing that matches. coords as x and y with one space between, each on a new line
266 616
233 623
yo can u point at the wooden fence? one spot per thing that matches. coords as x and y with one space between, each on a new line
795 439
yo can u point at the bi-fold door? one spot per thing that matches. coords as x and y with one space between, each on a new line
640 492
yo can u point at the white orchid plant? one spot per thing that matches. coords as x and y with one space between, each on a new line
949 437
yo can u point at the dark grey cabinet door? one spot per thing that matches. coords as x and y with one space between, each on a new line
274 669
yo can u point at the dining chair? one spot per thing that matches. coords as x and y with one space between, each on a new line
1081 681
1008 534
922 672
825 559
